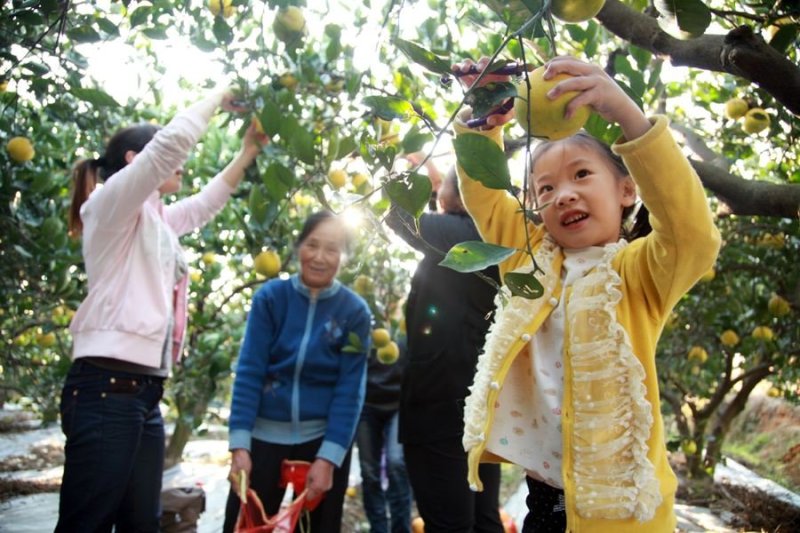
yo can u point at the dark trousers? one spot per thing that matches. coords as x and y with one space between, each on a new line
438 474
265 480
114 453
376 438
546 511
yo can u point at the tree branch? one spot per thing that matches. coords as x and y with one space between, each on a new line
741 52
750 197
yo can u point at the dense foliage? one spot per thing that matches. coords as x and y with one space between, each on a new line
355 88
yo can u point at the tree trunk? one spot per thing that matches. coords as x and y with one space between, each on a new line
723 421
177 442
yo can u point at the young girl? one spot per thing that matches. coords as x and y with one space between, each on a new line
567 386
129 330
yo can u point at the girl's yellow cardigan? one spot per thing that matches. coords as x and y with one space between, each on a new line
615 469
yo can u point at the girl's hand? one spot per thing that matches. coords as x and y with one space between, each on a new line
254 138
319 479
598 91
468 72
231 104
240 462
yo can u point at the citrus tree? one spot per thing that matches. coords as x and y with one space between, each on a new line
346 90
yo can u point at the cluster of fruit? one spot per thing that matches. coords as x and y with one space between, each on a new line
337 177
387 350
289 24
754 120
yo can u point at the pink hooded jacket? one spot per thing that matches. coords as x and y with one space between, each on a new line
129 243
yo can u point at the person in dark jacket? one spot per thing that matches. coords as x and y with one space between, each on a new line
447 316
376 438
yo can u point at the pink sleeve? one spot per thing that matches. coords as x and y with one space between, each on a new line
196 210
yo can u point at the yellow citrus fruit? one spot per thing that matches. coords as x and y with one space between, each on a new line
334 86
755 120
20 149
351 492
3 86
268 263
381 337
289 23
46 340
576 10
736 108
338 178
388 354
697 353
359 179
209 258
417 525
729 338
363 285
763 333
689 447
774 392
288 81
778 306
708 276
221 6
258 125
768 240
195 276
547 116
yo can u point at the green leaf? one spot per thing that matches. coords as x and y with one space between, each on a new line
95 97
414 140
346 146
333 145
302 144
257 204
684 19
222 31
484 99
423 57
108 27
483 160
473 256
334 48
353 344
83 34
140 15
411 193
279 180
270 117
524 285
388 107
156 32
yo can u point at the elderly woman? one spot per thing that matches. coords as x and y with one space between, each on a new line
298 393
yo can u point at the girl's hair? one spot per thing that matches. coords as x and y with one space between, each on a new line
317 218
87 172
640 225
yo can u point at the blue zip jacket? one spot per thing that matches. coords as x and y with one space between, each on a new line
294 383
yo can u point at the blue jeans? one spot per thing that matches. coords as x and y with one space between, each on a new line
377 432
114 454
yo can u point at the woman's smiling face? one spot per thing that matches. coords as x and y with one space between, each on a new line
582 194
321 254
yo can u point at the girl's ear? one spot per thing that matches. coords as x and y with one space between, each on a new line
628 191
129 155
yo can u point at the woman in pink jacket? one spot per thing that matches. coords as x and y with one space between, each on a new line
128 331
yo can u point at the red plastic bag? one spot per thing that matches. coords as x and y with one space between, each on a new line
253 518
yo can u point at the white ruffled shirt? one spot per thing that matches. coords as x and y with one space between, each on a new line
537 444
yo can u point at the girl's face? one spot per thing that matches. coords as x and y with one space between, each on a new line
582 194
321 253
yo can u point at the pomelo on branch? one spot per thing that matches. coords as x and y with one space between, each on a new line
20 149
574 11
546 116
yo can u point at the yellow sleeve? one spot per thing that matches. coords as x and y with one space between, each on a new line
685 242
495 212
